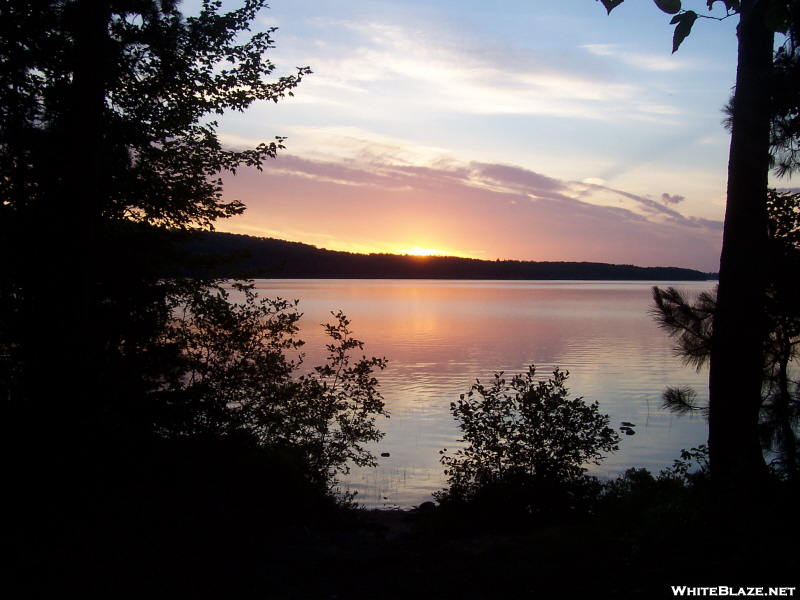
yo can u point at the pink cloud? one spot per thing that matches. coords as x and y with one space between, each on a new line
667 199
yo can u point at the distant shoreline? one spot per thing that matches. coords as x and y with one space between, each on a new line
256 257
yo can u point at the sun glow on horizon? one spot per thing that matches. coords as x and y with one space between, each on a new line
417 251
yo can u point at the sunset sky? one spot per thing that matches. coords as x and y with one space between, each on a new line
531 130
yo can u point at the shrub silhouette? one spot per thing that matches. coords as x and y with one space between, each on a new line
235 376
526 446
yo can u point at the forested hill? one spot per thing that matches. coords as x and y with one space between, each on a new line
267 257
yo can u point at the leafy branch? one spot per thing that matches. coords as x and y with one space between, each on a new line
778 17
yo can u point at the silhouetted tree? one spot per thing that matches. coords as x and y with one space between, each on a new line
736 370
691 324
526 446
105 134
109 160
233 374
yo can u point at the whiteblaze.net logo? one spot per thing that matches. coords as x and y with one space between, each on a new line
723 590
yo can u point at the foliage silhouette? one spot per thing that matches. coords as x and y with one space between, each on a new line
735 378
688 474
785 120
122 373
234 375
691 323
526 444
106 128
670 509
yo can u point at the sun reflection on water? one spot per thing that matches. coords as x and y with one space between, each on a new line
440 336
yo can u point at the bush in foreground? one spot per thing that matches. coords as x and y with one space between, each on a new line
526 444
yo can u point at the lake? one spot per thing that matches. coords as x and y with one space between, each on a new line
440 336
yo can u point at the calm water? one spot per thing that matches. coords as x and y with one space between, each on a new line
439 336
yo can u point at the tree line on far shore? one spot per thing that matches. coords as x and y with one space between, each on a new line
268 257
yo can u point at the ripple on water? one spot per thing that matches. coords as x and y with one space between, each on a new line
440 336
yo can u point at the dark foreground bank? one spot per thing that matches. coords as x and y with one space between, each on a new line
193 523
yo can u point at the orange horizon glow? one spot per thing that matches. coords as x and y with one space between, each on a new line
417 251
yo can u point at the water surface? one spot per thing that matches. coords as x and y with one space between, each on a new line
440 336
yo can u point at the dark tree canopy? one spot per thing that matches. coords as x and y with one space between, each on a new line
110 163
107 142
158 76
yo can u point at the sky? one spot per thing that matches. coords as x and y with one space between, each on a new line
530 130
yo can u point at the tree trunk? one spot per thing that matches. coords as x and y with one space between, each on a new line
62 368
737 361
54 438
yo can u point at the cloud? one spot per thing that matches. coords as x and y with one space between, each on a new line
648 62
355 144
434 69
648 206
517 178
667 199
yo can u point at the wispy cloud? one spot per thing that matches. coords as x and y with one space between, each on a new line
647 62
416 66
